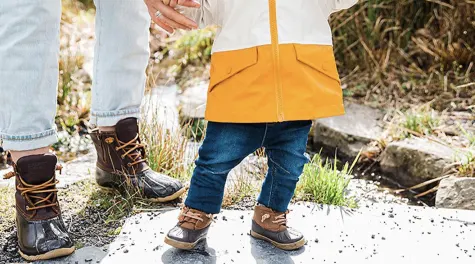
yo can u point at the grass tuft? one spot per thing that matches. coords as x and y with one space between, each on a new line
466 165
323 183
421 122
167 150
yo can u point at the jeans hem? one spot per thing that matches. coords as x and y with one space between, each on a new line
29 142
200 207
110 118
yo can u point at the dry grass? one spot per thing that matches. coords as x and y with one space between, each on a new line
418 121
242 187
167 150
7 208
410 51
74 97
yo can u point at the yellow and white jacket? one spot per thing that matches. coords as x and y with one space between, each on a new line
272 60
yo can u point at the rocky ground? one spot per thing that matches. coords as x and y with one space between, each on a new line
95 217
371 234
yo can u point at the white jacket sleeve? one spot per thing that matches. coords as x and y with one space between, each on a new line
206 15
337 5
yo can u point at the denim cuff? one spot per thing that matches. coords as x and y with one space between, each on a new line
110 118
29 142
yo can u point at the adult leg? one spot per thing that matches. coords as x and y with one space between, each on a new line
121 57
120 62
29 45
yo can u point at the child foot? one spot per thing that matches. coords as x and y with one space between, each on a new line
192 228
271 226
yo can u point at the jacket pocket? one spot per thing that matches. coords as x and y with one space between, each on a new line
226 65
319 58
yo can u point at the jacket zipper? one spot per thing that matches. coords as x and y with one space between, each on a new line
276 59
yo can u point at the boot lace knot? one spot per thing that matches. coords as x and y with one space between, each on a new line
278 219
195 216
133 150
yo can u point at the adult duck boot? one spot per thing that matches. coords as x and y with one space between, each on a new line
192 228
271 226
122 165
41 232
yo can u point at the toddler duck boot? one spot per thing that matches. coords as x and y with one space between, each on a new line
271 226
191 229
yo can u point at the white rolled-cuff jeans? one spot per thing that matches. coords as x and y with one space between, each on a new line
29 49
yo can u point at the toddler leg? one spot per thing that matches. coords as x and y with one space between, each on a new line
285 148
224 147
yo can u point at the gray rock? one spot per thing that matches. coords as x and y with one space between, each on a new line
415 160
85 255
159 108
374 234
456 193
367 192
350 133
193 101
78 169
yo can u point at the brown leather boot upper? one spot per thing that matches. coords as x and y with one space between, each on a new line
269 219
272 226
120 151
40 228
36 193
193 219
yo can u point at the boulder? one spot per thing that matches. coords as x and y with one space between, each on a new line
415 160
193 101
366 235
348 134
456 193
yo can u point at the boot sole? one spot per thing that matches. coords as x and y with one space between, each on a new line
182 245
60 252
288 247
169 198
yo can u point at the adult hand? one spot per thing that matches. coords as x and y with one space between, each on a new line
165 15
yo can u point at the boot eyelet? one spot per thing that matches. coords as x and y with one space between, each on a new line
109 140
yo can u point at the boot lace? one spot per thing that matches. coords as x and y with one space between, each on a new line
279 219
195 216
132 150
30 191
